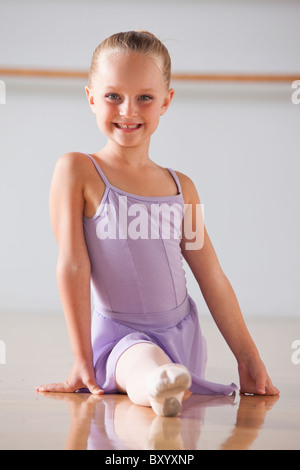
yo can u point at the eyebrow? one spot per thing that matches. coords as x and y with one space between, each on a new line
145 90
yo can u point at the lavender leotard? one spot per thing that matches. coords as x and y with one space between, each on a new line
139 286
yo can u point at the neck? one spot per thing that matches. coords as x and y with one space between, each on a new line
136 157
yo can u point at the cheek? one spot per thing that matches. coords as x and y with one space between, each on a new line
156 117
152 113
105 110
104 114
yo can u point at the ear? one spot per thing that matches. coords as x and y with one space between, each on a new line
90 98
167 100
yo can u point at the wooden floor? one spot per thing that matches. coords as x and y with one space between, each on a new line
37 351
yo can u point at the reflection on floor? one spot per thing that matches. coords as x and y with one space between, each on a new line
35 354
113 423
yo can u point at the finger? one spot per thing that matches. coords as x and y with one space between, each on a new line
270 389
266 387
95 389
260 390
260 384
54 387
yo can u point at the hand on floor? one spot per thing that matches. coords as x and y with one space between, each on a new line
82 376
255 380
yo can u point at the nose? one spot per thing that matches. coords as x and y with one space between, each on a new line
128 108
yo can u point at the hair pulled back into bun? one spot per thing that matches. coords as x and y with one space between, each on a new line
146 32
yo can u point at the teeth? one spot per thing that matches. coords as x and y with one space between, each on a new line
123 126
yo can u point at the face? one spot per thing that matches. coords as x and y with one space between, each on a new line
128 96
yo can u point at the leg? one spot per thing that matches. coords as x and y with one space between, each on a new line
149 378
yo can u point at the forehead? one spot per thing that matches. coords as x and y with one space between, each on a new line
132 69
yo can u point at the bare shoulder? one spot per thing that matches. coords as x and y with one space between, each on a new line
68 180
66 203
71 165
189 190
184 179
75 170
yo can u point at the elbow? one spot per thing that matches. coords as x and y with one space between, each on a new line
72 267
212 280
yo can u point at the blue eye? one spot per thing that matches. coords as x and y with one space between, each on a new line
145 98
112 96
116 97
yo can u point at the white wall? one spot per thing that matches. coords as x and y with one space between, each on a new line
239 143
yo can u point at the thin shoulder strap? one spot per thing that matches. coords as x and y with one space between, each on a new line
102 175
176 179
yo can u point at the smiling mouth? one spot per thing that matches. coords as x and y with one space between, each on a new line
127 126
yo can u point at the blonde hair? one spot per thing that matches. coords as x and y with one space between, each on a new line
141 42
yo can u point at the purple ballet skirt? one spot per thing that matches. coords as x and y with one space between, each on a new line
139 285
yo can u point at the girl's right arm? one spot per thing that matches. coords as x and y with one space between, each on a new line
73 270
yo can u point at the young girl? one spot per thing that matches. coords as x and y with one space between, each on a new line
112 215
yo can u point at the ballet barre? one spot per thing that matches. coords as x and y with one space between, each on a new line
192 77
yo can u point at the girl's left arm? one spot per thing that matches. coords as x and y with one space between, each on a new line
219 295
